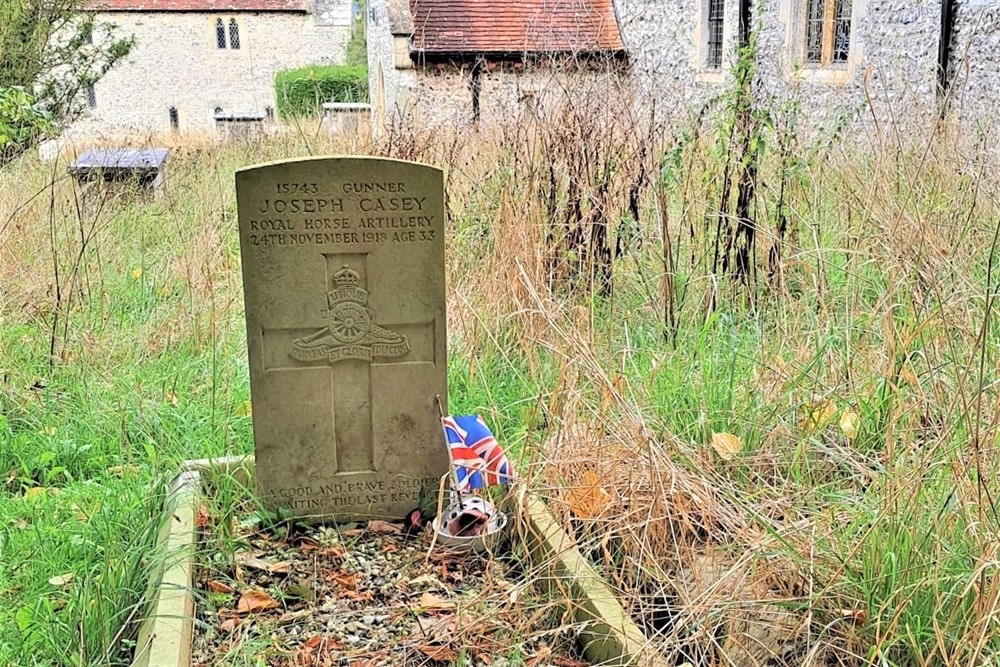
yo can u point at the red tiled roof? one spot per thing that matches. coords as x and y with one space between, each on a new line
196 6
514 26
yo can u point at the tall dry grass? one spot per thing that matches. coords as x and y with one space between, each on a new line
621 290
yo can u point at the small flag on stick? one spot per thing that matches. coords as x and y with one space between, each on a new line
476 458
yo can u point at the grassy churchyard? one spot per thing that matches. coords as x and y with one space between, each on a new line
776 441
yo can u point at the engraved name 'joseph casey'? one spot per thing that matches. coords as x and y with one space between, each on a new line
367 204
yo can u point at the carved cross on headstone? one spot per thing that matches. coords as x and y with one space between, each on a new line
350 341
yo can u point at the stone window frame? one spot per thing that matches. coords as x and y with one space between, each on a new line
705 70
227 32
794 16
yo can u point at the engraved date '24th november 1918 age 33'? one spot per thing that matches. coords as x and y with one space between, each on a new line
362 213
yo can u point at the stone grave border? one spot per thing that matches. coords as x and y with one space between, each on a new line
610 636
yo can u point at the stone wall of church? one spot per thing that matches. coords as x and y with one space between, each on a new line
975 69
176 63
891 76
890 79
443 97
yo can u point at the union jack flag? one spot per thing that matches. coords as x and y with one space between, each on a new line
477 458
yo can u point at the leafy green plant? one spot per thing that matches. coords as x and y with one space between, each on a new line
50 48
22 121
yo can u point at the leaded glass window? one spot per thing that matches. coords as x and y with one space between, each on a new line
234 34
828 31
716 10
220 34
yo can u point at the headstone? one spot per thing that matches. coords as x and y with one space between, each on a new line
343 277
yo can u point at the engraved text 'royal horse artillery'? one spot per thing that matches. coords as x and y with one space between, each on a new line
352 332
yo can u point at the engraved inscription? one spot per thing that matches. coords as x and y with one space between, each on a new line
366 213
352 332
354 493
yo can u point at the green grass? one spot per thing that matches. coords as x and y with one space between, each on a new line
880 314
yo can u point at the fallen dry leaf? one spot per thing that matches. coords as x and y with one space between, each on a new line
726 445
354 532
560 661
439 653
220 587
346 581
849 423
331 552
431 602
281 567
203 517
857 616
436 629
819 414
589 499
323 643
62 579
255 601
384 527
542 655
229 625
364 596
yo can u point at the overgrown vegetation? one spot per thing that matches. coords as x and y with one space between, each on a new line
783 457
303 91
49 53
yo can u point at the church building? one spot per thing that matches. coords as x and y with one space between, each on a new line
870 63
199 65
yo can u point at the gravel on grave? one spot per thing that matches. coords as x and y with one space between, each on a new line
366 595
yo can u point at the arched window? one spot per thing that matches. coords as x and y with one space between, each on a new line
220 34
234 34
175 121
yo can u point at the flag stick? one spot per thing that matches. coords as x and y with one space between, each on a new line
451 461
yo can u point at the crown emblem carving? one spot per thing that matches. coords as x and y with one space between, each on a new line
345 288
346 278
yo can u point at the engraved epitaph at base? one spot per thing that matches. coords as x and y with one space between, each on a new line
345 332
